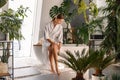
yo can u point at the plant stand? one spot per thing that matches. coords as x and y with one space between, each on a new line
8 74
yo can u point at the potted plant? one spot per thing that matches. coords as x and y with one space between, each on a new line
100 62
79 62
10 25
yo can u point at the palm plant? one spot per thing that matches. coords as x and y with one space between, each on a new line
79 62
112 30
101 61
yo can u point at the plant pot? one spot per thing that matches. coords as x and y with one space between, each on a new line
77 79
3 67
79 76
98 77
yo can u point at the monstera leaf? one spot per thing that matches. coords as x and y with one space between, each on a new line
54 11
3 2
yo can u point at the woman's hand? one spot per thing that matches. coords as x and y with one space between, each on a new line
57 44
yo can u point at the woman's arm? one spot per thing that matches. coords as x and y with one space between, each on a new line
60 36
50 41
46 34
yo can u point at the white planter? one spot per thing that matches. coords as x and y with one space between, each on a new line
3 67
98 77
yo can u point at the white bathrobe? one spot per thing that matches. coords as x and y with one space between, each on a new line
53 33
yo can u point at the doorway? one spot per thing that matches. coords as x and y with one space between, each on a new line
22 48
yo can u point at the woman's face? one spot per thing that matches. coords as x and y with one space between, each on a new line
59 21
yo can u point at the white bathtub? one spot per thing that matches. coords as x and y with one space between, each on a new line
71 47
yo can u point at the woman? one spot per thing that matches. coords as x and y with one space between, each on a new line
53 36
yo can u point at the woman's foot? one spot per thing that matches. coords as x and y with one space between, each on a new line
58 73
52 71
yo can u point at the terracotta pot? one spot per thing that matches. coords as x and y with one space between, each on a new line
3 67
98 72
79 76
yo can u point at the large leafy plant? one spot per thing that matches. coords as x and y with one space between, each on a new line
11 22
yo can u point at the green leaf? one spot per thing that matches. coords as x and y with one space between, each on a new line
54 11
3 2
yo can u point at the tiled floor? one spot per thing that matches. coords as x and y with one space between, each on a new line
25 71
44 75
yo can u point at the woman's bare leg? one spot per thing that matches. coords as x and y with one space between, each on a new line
55 52
51 58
